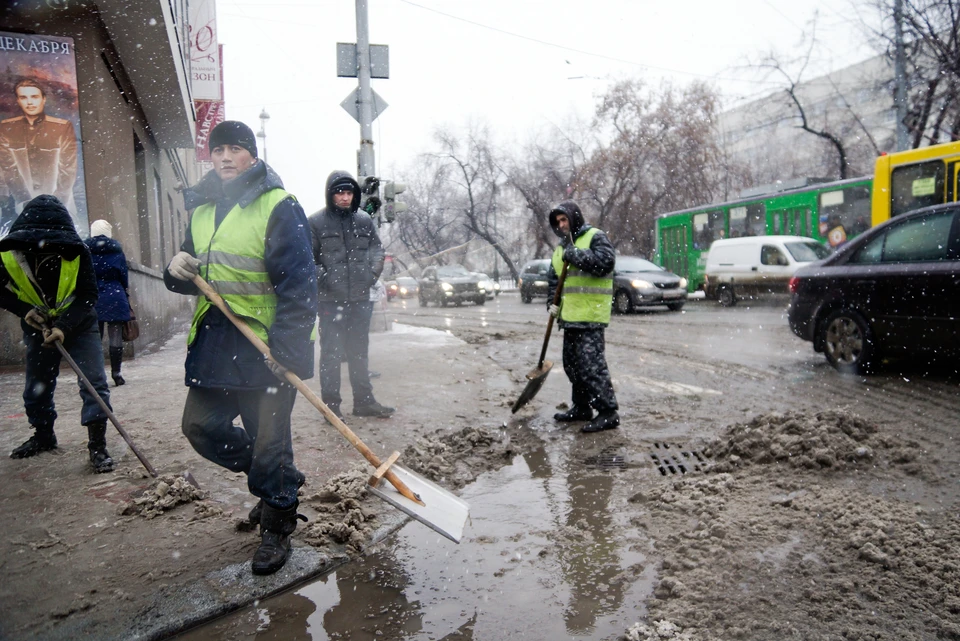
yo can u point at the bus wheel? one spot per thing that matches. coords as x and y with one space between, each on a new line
726 297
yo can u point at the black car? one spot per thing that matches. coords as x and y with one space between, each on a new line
448 284
640 283
533 280
403 287
890 292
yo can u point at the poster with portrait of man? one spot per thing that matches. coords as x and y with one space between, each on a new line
39 126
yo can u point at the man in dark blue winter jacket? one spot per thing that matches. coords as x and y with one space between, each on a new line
349 258
249 239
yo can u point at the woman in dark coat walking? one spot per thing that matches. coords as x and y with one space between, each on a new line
113 305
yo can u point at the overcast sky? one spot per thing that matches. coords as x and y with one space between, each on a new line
516 65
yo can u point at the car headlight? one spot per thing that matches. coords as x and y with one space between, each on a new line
447 287
683 283
403 290
540 283
641 284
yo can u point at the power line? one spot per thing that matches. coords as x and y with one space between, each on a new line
580 51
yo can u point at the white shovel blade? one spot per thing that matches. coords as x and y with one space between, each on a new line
443 512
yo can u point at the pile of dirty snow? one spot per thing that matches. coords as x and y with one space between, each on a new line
830 439
657 631
344 515
457 458
167 493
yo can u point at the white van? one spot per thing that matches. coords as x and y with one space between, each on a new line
754 265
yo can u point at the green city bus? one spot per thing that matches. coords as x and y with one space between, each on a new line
829 212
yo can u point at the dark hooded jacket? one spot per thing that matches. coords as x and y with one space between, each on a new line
220 356
597 261
45 229
111 267
346 247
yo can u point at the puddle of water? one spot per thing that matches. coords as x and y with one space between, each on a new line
544 557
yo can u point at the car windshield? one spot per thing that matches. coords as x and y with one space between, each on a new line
452 271
406 281
807 251
628 264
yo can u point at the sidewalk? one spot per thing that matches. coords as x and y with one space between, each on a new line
75 567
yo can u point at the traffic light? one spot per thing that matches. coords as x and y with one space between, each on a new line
370 195
391 207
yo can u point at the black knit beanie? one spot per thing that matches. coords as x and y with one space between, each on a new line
233 132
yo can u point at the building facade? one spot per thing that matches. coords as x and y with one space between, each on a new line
134 121
855 104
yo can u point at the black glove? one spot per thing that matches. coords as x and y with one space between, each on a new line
570 254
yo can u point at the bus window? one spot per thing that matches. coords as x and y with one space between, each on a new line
844 212
916 186
749 220
707 227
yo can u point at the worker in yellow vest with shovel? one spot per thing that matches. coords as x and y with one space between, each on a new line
47 279
249 239
583 315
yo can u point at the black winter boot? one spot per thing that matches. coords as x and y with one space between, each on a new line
43 440
608 420
335 408
256 513
373 409
116 361
276 526
97 444
575 413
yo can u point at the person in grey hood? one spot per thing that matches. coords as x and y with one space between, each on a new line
349 259
583 315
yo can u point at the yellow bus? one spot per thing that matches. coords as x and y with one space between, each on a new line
908 180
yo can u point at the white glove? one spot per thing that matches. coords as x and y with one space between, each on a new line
36 319
555 310
277 369
184 266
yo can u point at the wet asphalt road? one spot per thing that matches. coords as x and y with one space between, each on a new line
679 375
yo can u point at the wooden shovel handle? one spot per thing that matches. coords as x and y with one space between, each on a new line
103 405
308 393
556 301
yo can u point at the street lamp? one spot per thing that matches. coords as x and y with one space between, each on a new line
262 134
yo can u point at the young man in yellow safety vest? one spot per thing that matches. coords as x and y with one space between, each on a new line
47 279
583 314
250 240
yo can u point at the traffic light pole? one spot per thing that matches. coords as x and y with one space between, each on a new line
365 159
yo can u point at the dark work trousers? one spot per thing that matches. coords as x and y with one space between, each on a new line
345 334
585 362
43 365
262 448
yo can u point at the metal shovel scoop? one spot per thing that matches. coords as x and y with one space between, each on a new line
538 376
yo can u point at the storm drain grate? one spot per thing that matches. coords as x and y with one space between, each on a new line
607 460
674 459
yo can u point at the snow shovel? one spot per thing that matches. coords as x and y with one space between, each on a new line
537 376
111 416
412 494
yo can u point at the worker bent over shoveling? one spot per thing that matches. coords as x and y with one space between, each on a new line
250 240
583 314
47 279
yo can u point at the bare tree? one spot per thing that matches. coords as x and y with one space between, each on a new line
931 32
471 166
662 155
